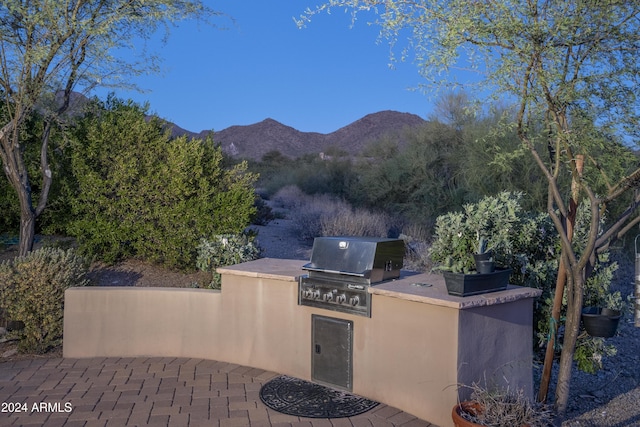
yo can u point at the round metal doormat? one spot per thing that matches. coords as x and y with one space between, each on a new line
293 396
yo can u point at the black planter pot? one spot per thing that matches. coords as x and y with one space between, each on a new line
485 256
600 322
463 285
485 267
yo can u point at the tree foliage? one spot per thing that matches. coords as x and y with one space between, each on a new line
142 194
49 48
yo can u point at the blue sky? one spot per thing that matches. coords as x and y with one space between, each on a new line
316 79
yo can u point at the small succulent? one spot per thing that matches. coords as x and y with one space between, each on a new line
483 244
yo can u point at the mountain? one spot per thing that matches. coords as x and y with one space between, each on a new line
254 141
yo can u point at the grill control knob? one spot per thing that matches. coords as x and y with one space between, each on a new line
315 294
341 298
354 300
327 297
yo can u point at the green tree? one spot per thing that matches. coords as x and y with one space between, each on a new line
47 49
420 181
573 64
142 194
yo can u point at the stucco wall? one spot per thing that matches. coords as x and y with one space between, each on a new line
409 354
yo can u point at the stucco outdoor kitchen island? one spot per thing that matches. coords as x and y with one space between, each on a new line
414 351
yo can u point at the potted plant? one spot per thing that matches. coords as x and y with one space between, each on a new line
602 313
484 257
600 321
462 280
500 408
474 283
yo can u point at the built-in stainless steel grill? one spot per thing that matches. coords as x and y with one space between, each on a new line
342 268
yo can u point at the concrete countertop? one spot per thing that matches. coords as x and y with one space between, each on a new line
430 288
288 270
426 288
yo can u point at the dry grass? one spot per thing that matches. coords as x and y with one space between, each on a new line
324 215
416 239
506 408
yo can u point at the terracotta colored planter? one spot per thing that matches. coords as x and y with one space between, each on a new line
468 407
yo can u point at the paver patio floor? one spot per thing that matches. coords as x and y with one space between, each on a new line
153 392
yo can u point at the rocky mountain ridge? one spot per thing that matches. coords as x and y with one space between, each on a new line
256 140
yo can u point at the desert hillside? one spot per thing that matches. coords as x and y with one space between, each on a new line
254 141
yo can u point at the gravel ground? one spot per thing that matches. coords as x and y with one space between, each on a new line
611 397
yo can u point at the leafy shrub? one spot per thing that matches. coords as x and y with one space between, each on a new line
527 243
590 351
516 237
263 212
223 250
32 291
142 194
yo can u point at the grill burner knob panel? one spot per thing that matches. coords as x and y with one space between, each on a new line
347 297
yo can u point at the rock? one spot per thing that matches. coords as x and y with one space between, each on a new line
3 331
10 353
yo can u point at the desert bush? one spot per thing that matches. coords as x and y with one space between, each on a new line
416 241
348 221
289 197
142 194
325 215
528 243
223 250
263 212
308 213
32 291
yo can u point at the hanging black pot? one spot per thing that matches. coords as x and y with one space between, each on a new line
600 322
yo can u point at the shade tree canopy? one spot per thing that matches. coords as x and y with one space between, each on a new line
48 49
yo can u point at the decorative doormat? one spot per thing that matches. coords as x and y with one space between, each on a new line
293 396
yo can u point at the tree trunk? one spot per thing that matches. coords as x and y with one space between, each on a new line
572 329
560 282
27 232
11 154
553 333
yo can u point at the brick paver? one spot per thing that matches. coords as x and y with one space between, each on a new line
127 392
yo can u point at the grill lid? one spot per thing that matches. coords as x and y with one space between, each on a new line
367 257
